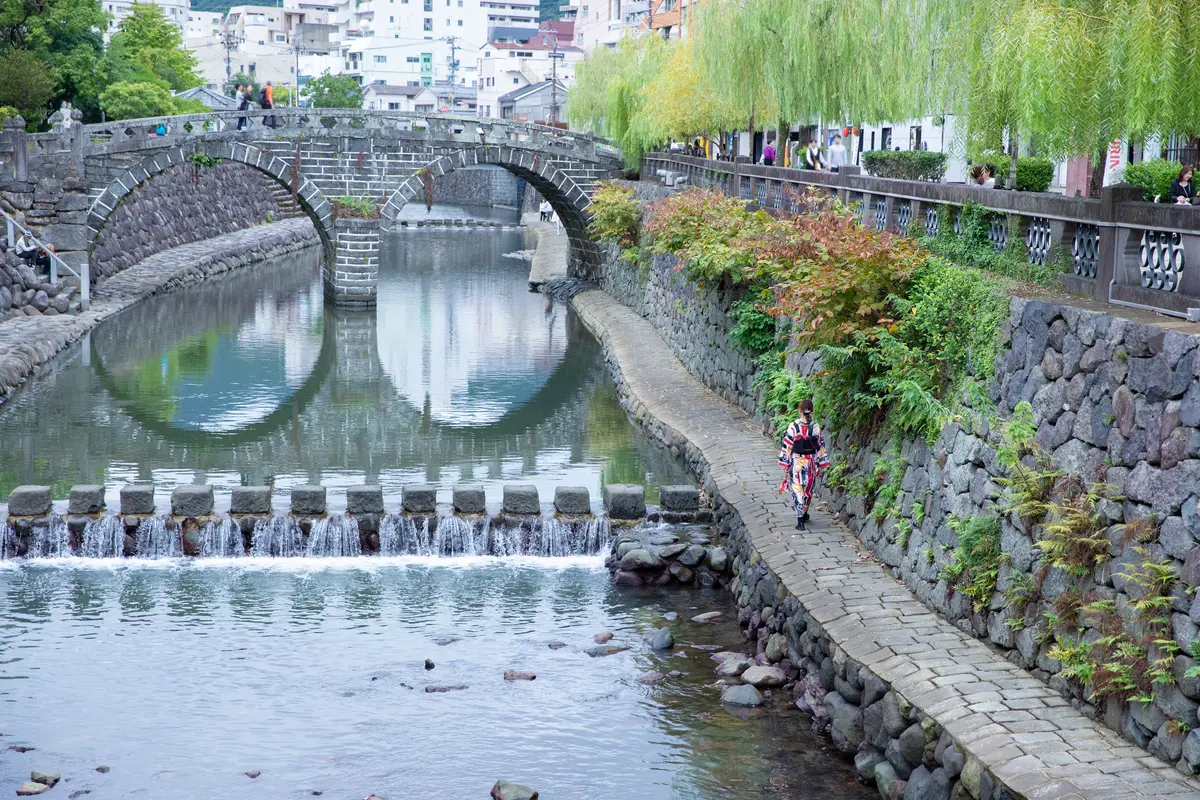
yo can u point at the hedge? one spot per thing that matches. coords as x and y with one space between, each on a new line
911 165
1034 174
1154 177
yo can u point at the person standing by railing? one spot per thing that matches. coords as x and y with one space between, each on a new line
243 96
1183 188
812 156
267 100
837 153
768 156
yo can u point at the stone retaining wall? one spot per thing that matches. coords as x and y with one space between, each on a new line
479 186
27 344
180 205
1113 399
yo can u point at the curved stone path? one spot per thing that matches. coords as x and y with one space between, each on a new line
1022 731
27 343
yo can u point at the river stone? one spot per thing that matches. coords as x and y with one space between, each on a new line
672 550
309 500
912 743
623 578
893 721
718 559
572 500
651 678
419 498
624 500
85 499
777 647
733 667
440 689
365 499
640 558
661 639
725 655
250 500
30 788
503 790
517 675
602 650
885 776
679 498
192 500
624 548
137 498
469 499
953 761
846 722
707 616
48 778
742 695
29 501
521 498
663 539
764 677
692 556
926 785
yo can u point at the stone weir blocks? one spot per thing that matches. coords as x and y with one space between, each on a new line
621 502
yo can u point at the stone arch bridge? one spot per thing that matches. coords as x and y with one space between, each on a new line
316 155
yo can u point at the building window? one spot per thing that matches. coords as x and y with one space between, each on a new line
413 60
426 80
393 106
428 24
516 80
391 19
460 23
487 53
380 59
424 108
447 22
523 54
260 41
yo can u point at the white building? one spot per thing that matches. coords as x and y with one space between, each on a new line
517 58
175 10
203 25
604 22
381 97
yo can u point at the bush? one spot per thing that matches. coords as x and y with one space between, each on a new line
355 208
1153 176
615 213
909 165
1034 174
710 233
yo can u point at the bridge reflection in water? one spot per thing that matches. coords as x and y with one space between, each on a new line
460 375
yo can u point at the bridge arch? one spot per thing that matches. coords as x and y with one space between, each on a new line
568 199
310 198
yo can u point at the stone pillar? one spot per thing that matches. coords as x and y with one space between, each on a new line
1111 242
14 137
352 274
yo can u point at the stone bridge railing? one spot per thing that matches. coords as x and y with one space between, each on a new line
1115 249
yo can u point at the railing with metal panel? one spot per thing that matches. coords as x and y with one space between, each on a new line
1114 248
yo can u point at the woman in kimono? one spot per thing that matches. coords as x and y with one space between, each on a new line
804 456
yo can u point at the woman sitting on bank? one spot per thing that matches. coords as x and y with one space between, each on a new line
804 456
1183 188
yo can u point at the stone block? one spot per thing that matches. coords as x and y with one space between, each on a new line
470 499
572 500
192 500
250 500
367 499
420 498
86 499
308 500
679 498
137 498
29 501
624 500
521 498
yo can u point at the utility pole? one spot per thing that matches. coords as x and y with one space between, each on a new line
453 68
230 41
554 58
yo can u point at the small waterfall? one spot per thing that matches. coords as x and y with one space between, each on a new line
509 540
104 537
277 536
156 540
52 540
334 536
8 541
222 538
454 536
399 536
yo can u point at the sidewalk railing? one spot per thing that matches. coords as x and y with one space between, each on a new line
56 263
1116 249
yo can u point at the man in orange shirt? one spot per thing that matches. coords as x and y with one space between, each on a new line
266 100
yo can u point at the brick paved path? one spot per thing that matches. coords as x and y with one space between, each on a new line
1026 734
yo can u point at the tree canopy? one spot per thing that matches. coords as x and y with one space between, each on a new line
332 91
155 44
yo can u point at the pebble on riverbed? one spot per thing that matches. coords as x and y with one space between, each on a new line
602 650
504 790
661 639
102 769
252 773
429 664
708 616
556 645
514 675
30 788
602 638
48 778
743 695
651 678
441 689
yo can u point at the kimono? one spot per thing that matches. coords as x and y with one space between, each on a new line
802 470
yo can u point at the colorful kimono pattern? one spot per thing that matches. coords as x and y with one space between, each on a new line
802 470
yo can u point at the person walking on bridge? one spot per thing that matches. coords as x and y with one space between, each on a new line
803 456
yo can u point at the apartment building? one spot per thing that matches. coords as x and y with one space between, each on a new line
515 58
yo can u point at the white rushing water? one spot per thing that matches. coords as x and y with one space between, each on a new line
280 537
104 538
50 540
156 540
334 537
222 539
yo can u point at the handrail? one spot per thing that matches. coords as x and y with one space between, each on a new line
85 282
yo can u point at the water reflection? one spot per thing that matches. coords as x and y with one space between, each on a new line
461 375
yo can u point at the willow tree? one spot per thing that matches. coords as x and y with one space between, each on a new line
1072 75
609 93
681 101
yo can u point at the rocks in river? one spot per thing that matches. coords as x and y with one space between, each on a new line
442 689
102 769
445 640
651 678
602 638
742 695
557 645
505 790
624 578
763 677
708 616
639 559
674 674
30 788
48 778
429 664
725 655
671 616
601 650
252 774
515 675
20 748
733 667
78 793
661 639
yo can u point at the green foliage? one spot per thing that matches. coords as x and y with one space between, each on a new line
1153 176
1034 174
886 473
909 165
155 42
203 161
1074 537
137 100
756 331
713 235
973 247
26 84
615 214
975 564
355 208
332 91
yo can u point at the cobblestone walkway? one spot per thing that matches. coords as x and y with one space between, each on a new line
29 342
550 255
1027 735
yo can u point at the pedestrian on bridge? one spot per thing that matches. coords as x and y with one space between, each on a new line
804 457
243 98
267 100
